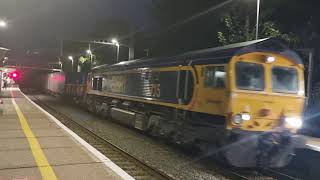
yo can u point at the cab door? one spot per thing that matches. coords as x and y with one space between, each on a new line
213 89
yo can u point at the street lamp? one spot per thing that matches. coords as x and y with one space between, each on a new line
71 58
258 14
3 24
90 54
116 42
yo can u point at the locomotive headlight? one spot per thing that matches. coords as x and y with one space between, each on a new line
294 122
237 119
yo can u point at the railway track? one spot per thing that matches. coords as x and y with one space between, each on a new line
132 165
279 175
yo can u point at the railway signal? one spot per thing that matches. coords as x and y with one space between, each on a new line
15 75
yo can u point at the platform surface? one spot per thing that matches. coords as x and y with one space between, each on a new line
33 146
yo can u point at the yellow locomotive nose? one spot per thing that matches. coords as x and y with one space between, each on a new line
265 112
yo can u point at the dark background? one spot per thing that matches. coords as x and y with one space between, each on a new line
161 27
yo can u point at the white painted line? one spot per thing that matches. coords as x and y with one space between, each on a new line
93 150
313 147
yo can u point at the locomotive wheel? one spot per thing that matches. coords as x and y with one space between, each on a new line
105 113
153 125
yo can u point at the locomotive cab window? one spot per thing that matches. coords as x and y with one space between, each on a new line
214 77
100 81
284 80
95 84
250 76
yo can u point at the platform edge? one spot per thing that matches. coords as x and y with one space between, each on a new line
106 161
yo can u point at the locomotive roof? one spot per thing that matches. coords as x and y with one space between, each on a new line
217 55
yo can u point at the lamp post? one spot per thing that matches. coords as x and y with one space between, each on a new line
59 62
257 23
5 59
71 59
116 43
3 25
90 53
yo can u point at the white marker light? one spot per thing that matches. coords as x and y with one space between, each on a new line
271 59
246 117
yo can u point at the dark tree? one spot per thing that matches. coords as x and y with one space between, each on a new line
294 20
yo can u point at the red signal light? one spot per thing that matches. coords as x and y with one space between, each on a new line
14 75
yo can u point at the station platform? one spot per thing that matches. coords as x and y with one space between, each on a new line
34 145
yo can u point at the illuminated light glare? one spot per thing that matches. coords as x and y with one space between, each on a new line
220 74
246 117
301 92
271 59
115 42
3 23
89 51
14 75
294 122
70 57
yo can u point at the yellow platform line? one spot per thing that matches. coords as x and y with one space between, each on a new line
46 170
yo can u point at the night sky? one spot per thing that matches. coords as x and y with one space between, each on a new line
40 23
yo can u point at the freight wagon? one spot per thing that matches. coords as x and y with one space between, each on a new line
64 84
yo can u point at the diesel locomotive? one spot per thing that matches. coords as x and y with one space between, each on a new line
243 101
